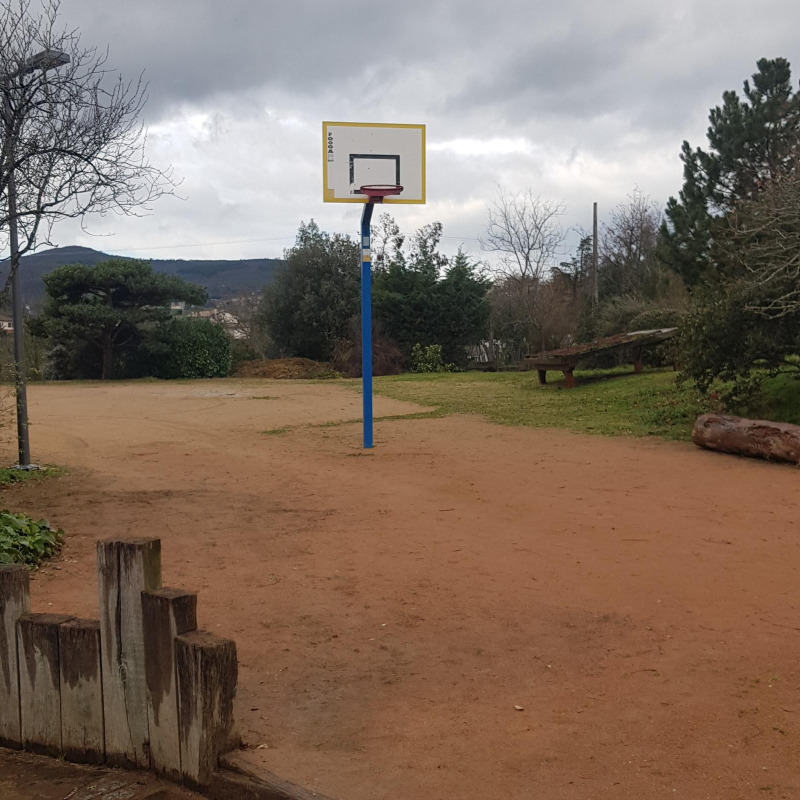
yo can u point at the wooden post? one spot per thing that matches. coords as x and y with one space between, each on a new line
15 600
40 682
166 613
637 363
542 376
570 377
207 670
82 736
126 568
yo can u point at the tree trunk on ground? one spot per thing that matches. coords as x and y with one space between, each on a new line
757 438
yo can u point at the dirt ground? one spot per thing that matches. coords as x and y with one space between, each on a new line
471 610
27 777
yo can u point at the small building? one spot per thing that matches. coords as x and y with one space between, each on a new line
6 323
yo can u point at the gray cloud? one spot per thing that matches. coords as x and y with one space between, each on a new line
581 100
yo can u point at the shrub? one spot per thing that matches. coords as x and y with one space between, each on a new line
24 540
187 348
615 315
655 318
429 359
386 357
722 339
666 354
242 351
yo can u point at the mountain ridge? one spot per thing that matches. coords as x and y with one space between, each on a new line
222 278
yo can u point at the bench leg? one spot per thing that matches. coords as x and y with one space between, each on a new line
570 378
637 363
542 376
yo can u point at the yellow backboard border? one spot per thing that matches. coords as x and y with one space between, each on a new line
328 195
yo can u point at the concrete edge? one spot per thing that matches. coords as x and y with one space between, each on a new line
232 781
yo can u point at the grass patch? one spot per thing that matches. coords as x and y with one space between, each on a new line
276 431
437 412
9 477
609 402
779 400
612 402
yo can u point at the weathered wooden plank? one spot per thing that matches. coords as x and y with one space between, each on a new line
166 613
126 568
207 672
40 682
82 735
15 600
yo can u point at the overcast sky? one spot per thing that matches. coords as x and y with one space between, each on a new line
580 100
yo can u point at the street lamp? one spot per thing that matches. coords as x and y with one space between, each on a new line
46 60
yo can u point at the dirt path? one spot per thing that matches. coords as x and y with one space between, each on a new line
27 777
638 600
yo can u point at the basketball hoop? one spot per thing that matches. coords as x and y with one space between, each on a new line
377 191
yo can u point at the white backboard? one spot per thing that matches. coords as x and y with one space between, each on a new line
356 154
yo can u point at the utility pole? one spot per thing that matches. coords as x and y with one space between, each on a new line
595 285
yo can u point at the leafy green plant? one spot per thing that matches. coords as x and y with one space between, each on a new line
188 348
727 348
653 318
24 540
429 359
103 309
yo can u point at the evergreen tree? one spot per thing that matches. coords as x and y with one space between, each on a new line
751 141
106 306
423 299
310 304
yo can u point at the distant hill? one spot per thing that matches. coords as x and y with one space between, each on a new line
222 279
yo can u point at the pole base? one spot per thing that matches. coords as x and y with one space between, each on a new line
26 467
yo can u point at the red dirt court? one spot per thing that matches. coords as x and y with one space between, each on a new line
471 610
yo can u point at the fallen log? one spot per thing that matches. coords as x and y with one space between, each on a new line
758 438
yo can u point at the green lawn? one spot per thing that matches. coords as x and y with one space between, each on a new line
609 402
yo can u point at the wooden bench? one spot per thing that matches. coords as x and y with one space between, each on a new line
567 358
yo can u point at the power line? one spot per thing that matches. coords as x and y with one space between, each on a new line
202 244
243 241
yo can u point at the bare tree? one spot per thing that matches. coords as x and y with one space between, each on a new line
628 263
525 232
762 243
387 241
242 317
71 139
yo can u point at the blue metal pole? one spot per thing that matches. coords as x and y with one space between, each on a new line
366 323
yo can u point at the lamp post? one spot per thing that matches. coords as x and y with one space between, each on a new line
46 60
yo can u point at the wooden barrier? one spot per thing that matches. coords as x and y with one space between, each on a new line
40 682
82 728
207 670
166 614
125 569
140 687
15 600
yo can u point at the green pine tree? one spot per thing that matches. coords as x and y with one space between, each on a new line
106 306
751 140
